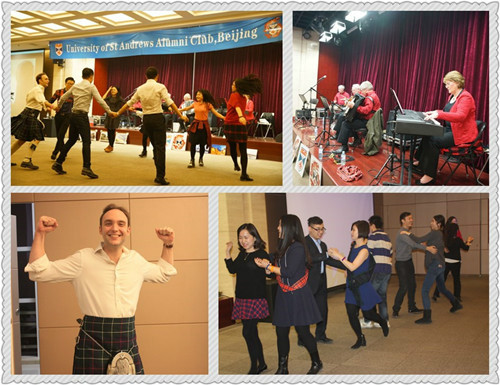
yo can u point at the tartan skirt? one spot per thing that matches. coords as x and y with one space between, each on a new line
236 133
199 133
115 335
26 126
250 308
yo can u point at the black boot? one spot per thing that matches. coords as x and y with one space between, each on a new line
385 327
282 365
316 364
360 342
456 305
426 318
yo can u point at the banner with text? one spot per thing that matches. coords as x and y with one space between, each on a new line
184 40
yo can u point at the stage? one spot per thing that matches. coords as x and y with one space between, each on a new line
370 166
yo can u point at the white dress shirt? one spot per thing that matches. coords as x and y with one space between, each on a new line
151 94
103 288
35 98
83 93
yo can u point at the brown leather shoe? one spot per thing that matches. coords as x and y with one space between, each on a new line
108 149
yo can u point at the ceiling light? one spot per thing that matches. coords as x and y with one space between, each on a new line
325 37
118 17
159 13
337 27
354 16
26 30
84 22
53 26
20 15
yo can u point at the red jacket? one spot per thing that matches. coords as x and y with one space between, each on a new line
368 108
462 117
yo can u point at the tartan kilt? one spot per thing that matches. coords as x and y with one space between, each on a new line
236 132
26 126
250 308
115 335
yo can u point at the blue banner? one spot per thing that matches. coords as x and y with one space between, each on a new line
184 40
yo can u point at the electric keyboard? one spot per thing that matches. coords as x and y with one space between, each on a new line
413 123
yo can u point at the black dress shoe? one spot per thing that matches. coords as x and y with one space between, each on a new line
324 340
237 168
261 368
429 183
53 156
29 165
13 164
143 154
246 178
88 172
415 310
57 167
395 314
162 181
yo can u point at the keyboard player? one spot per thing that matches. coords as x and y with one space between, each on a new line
459 116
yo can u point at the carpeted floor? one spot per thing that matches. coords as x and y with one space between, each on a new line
454 343
124 167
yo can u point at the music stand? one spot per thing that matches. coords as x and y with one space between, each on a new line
304 119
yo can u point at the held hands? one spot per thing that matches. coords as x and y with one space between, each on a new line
166 234
185 118
335 253
470 240
432 249
46 225
113 114
261 262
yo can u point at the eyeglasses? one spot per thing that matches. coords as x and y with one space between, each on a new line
319 230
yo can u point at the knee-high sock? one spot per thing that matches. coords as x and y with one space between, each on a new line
31 149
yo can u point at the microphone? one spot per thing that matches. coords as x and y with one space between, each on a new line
320 79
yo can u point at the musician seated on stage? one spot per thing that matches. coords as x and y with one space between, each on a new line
341 98
340 116
366 109
459 116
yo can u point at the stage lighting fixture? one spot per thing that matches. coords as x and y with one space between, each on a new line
337 27
354 16
337 41
325 37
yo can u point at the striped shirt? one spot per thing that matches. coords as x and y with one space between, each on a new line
380 246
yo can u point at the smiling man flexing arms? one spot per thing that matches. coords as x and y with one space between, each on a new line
107 282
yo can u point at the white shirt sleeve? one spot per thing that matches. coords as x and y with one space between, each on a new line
43 270
158 272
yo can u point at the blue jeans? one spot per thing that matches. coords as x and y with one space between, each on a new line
379 282
435 272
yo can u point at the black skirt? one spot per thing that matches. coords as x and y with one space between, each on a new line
115 335
26 126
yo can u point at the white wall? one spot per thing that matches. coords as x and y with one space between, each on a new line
305 65
338 212
24 68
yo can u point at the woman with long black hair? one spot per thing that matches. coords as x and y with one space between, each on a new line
435 265
235 128
115 102
295 304
250 305
359 293
199 130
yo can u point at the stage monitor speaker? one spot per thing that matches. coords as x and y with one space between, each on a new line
299 114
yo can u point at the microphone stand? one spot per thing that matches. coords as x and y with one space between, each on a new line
310 90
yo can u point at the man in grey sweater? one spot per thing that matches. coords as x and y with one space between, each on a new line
404 266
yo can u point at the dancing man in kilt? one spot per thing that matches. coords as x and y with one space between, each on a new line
107 283
26 127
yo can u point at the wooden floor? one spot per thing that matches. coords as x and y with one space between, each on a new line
372 167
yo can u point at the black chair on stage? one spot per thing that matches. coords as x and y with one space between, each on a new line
252 124
466 154
266 120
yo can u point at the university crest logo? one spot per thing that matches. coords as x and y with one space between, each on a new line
272 28
59 49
